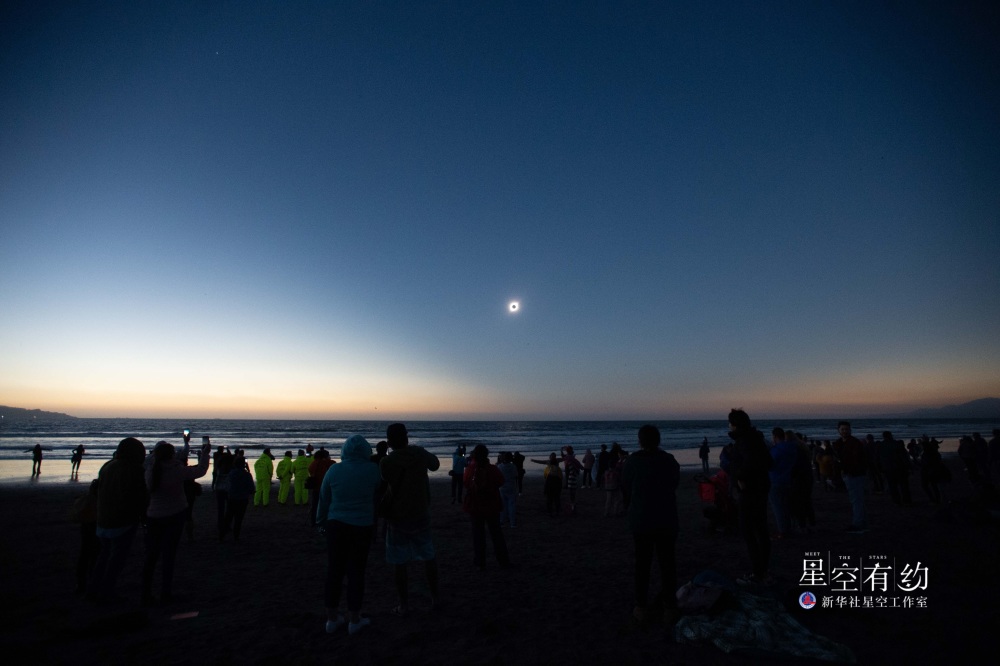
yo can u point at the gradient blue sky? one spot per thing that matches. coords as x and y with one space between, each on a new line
299 209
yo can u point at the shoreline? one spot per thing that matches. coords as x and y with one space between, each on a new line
13 472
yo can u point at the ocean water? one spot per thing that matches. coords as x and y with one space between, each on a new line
100 437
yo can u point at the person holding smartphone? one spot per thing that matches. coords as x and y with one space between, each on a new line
165 474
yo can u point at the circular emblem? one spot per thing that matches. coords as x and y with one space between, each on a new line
807 600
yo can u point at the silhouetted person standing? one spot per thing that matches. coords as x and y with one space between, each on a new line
263 470
894 462
649 487
851 453
408 536
75 459
458 464
240 487
749 465
36 460
121 506
223 465
603 462
519 464
300 468
165 516
284 472
482 482
345 508
783 457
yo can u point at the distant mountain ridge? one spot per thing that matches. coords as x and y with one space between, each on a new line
984 408
12 414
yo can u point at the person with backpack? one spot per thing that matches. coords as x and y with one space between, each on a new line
482 481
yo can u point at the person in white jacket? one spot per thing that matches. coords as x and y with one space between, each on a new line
165 475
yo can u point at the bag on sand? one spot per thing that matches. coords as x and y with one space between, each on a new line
697 599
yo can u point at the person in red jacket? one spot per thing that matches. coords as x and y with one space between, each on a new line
482 481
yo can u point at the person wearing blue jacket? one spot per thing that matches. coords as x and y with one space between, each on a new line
783 454
347 507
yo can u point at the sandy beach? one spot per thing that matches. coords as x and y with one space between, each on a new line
568 599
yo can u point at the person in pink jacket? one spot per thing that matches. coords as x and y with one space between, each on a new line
165 516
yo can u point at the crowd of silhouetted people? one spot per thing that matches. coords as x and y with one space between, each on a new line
386 492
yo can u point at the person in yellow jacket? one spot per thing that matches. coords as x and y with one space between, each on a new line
284 473
263 469
301 467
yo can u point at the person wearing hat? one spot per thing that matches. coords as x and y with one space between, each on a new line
284 474
263 469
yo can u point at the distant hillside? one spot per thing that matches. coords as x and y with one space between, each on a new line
984 408
17 415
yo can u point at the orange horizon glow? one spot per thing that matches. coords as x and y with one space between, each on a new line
442 408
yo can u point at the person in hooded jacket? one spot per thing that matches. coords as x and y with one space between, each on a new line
300 467
121 506
749 467
284 472
263 469
347 510
165 475
482 481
